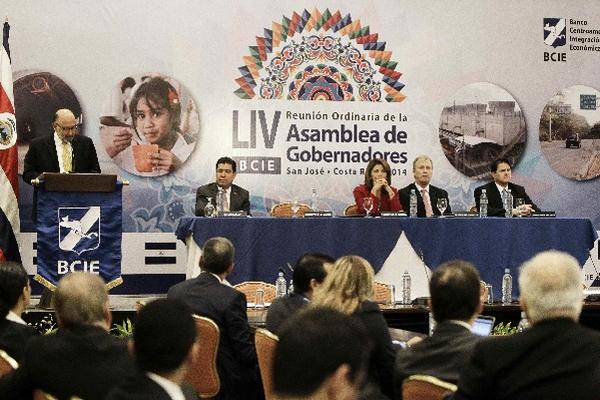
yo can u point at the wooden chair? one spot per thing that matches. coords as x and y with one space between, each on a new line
351 209
266 342
382 293
203 374
285 210
7 363
249 289
426 387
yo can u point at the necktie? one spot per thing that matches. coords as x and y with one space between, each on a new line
427 202
504 196
67 157
225 202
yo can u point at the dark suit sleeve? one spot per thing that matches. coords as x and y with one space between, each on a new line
444 194
201 200
472 383
246 203
404 195
31 167
93 165
520 192
238 329
493 202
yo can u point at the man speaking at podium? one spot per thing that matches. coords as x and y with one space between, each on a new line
64 151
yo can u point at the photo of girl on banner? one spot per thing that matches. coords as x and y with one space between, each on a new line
144 128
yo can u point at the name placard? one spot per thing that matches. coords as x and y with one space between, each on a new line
230 214
544 214
393 214
465 214
318 214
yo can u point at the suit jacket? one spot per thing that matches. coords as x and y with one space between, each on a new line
236 358
443 355
282 309
555 359
83 361
141 387
381 364
14 337
435 193
239 199
41 157
495 206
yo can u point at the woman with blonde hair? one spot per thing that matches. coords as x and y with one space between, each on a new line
348 288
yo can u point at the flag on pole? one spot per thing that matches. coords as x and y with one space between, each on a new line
9 186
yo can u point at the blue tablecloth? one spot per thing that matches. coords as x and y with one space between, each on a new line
263 245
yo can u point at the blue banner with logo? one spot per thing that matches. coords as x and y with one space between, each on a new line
79 231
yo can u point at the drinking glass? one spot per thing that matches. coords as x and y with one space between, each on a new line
368 205
259 301
519 205
295 207
490 294
442 204
209 209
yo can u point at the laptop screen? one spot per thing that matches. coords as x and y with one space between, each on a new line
483 325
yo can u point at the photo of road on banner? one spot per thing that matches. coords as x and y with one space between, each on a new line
149 125
570 133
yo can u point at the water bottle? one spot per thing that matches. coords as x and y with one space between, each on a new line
523 323
280 285
291 287
509 205
413 203
314 199
220 202
483 204
506 287
209 209
406 288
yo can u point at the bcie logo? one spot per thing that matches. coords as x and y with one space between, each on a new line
555 35
79 228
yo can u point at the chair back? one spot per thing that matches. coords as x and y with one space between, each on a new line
351 209
249 289
203 374
426 387
7 363
266 342
382 293
285 210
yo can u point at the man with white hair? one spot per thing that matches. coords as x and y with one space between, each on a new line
556 358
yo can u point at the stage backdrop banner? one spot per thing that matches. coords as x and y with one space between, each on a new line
79 232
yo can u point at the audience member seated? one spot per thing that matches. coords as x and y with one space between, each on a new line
82 359
377 187
348 288
322 354
455 302
554 359
14 298
210 295
164 345
309 273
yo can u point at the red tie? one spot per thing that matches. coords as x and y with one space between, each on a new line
427 202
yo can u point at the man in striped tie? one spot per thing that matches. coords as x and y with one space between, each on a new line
427 194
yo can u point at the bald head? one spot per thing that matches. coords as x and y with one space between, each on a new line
81 299
65 124
551 286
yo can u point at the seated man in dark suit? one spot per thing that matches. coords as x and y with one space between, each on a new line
455 302
497 189
64 151
164 345
210 295
14 298
554 359
82 359
322 354
235 197
423 172
309 272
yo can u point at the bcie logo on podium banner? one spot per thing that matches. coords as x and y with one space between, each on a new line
79 232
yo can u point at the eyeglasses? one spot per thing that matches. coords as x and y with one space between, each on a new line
74 128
